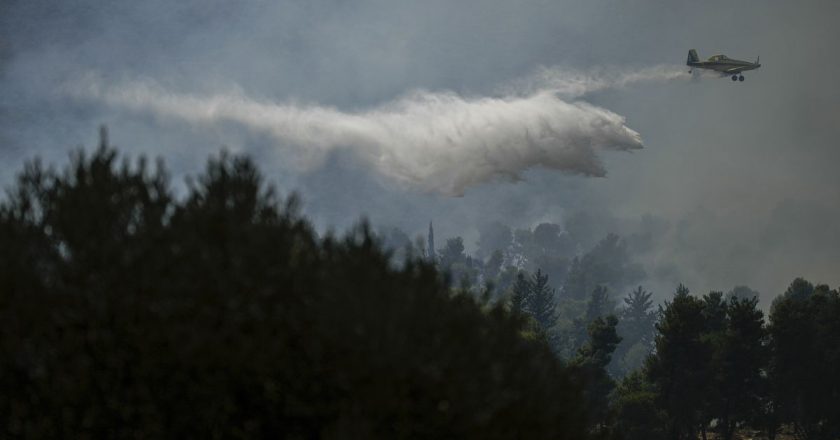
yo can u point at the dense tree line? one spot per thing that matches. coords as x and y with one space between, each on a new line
696 366
718 365
129 312
543 271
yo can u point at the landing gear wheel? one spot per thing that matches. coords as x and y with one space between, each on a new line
741 78
734 77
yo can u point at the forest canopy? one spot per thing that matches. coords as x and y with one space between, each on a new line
130 311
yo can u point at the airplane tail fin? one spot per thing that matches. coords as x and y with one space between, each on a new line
692 57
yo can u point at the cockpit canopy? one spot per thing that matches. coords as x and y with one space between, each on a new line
718 58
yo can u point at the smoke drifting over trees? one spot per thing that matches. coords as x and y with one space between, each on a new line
133 303
126 308
725 171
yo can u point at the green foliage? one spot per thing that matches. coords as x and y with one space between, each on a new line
128 313
714 312
805 335
452 252
736 334
599 305
636 414
540 301
567 338
454 261
740 359
591 364
521 294
679 370
709 363
635 326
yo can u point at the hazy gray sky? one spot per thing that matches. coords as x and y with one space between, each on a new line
743 176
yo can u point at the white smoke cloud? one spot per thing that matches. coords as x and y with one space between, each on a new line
435 141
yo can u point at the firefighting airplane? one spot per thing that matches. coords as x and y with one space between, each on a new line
722 64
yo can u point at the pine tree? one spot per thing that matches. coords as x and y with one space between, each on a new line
521 294
805 336
741 355
638 317
591 361
679 370
599 305
636 414
126 312
541 303
636 327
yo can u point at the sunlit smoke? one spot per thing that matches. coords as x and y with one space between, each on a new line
434 141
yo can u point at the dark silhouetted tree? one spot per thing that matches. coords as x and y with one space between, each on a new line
591 363
599 305
127 313
636 414
678 370
805 335
520 294
740 357
453 260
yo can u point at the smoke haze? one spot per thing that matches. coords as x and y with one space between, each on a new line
737 183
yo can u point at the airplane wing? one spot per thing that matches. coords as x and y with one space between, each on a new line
734 70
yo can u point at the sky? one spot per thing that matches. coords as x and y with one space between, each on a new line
467 113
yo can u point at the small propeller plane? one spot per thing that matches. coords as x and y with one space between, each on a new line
722 64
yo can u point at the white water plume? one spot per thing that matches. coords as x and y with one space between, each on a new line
571 83
435 141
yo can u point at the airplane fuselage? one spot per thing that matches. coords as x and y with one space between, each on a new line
722 64
728 66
